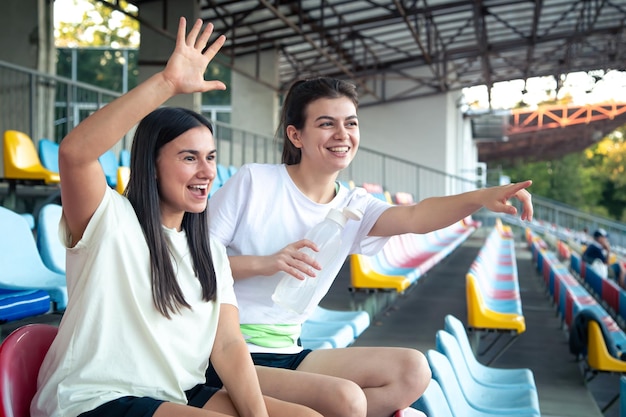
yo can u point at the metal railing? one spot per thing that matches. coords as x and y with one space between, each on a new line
43 105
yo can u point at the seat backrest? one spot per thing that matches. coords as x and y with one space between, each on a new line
21 160
21 355
455 327
444 374
22 266
50 247
123 175
447 344
125 158
109 163
49 154
433 402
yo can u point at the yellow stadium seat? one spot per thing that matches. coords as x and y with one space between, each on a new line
21 161
123 174
598 355
365 277
481 317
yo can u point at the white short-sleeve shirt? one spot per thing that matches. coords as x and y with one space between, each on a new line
112 341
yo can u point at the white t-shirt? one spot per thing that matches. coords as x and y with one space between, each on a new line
259 211
112 341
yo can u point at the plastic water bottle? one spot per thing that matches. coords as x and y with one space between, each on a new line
295 294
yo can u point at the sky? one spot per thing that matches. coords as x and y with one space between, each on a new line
610 86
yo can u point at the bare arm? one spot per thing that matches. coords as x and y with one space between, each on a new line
82 178
234 365
438 212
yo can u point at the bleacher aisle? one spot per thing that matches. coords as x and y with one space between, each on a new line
414 318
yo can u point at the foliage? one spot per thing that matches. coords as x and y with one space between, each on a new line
99 25
592 181
101 48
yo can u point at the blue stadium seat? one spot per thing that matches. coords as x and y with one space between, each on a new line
16 305
466 397
109 163
339 335
49 154
358 320
22 267
433 402
50 247
448 345
124 158
519 377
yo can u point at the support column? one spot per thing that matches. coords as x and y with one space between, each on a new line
254 105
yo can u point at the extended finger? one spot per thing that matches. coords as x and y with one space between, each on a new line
204 37
518 186
214 48
182 29
193 33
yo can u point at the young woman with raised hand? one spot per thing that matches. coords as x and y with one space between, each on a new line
261 215
150 294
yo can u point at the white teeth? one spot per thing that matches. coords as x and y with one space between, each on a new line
339 149
199 187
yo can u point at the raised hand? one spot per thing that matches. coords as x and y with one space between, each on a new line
186 66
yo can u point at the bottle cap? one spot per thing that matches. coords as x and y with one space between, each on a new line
342 216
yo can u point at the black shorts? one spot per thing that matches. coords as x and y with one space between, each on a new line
272 360
130 406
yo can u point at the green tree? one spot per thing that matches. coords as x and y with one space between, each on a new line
104 43
592 180
99 26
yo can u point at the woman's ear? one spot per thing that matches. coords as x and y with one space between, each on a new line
294 136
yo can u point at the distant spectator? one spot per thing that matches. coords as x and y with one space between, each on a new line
598 254
583 236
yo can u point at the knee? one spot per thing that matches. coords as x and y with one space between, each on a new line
350 398
416 375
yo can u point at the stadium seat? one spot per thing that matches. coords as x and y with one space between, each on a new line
22 266
50 247
49 154
519 376
20 304
123 175
358 320
484 402
339 335
433 402
109 163
21 355
124 158
21 161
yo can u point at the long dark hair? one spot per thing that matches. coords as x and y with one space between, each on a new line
300 95
155 130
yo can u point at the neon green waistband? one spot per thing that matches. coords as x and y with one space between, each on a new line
271 335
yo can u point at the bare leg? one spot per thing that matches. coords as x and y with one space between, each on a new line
391 378
220 406
330 396
221 403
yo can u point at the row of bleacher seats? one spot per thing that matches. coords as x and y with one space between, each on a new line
463 387
595 338
406 258
492 286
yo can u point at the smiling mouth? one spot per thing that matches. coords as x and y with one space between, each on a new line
339 149
202 189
